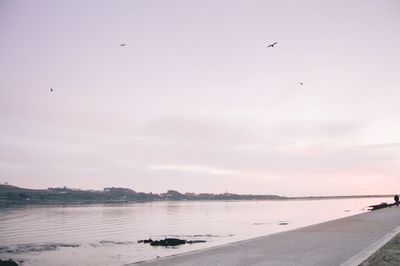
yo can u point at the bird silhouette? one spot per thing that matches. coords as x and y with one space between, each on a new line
51 89
122 44
272 45
301 83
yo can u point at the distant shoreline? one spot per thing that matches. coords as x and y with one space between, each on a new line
12 195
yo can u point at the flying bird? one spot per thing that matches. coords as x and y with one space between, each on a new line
51 89
272 45
301 83
122 44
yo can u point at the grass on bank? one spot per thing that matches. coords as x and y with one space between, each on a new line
388 255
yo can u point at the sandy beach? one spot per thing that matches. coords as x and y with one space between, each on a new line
346 241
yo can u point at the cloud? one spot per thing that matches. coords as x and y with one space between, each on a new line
204 170
194 130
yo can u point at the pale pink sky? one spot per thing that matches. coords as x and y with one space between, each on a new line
196 101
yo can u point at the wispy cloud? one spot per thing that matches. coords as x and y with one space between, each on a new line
202 170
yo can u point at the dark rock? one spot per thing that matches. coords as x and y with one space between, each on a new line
110 242
168 242
24 248
380 206
9 262
195 241
146 241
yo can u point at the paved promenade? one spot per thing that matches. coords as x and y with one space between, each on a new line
346 241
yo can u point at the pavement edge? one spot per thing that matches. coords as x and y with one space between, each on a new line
371 249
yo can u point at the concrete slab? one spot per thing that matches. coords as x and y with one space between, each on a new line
344 241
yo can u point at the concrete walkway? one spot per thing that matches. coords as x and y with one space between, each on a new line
346 241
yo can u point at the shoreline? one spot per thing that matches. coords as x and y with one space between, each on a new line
345 241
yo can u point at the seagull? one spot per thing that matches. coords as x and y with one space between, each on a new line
122 44
272 45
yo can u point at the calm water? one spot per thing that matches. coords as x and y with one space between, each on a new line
108 234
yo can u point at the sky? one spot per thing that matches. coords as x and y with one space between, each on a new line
196 101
